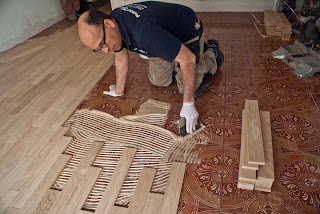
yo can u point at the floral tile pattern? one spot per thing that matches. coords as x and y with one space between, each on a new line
248 72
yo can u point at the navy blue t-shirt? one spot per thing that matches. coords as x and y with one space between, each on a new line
155 29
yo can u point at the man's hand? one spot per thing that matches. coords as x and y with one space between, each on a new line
189 112
112 91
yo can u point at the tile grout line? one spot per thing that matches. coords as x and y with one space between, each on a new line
223 138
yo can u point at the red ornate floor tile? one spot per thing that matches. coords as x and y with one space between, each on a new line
235 49
200 190
269 93
210 159
232 124
254 37
173 117
223 123
240 200
289 167
315 91
305 126
116 107
231 159
237 67
259 48
289 196
283 129
215 92
166 94
269 67
234 38
312 165
237 90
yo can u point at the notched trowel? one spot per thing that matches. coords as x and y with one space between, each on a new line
183 129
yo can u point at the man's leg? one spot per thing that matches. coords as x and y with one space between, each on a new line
66 6
76 5
206 63
160 71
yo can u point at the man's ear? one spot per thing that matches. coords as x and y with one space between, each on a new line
109 23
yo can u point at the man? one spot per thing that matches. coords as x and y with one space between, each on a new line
170 35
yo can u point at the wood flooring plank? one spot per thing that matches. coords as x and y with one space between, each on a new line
254 132
244 159
41 190
173 190
265 176
74 194
33 177
114 186
285 20
264 189
154 203
269 19
31 94
23 172
11 210
5 201
46 202
139 198
245 175
266 171
278 19
30 51
23 90
242 185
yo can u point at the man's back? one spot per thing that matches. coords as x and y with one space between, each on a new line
155 29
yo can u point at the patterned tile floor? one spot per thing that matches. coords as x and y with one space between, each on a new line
247 73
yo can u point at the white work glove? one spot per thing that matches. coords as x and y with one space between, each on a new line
112 91
189 112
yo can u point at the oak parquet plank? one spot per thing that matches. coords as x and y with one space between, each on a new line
109 197
81 182
255 141
245 175
172 193
154 203
265 176
244 145
40 192
139 198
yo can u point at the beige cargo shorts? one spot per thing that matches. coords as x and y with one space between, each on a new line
160 71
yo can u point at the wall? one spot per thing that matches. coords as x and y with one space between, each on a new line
213 5
22 19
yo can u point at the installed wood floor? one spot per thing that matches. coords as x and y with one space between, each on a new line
38 93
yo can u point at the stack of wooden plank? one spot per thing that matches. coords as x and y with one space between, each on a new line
277 24
256 169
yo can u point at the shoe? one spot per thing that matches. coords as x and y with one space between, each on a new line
72 17
204 85
213 42
213 45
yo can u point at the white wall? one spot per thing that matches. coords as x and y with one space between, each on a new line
213 5
22 19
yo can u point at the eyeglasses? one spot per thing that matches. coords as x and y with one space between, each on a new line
104 40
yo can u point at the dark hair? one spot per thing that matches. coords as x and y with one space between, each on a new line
96 17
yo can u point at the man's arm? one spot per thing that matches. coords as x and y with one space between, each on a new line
122 67
187 61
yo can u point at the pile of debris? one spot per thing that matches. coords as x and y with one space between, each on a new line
304 60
